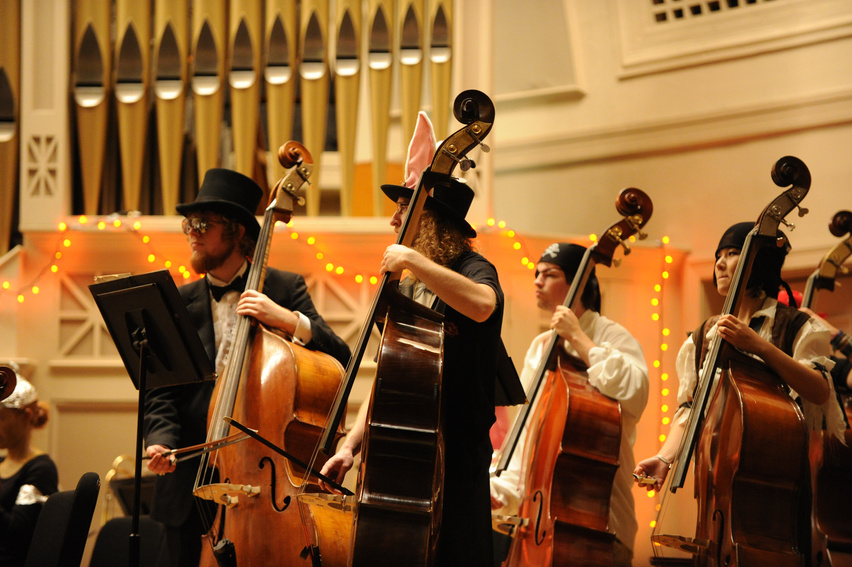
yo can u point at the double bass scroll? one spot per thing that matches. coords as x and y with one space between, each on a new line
832 263
8 381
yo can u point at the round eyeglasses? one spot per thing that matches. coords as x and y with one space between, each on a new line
197 224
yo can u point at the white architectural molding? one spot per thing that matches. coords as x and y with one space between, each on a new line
677 134
648 46
45 180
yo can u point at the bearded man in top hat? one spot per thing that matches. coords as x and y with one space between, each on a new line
222 231
615 367
446 274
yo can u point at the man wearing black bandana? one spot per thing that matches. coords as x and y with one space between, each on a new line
789 342
222 231
616 367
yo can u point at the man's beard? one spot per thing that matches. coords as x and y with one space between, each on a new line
203 262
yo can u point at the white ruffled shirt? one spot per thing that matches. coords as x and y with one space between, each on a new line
225 319
618 370
811 347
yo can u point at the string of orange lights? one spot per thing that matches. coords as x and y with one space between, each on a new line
658 302
134 226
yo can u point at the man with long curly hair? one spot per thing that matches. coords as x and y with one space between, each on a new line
445 273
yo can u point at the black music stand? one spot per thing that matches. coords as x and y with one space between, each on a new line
158 344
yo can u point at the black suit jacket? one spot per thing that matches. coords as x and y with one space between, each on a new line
176 416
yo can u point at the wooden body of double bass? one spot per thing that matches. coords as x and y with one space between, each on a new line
831 469
752 473
285 395
831 459
575 437
401 474
282 391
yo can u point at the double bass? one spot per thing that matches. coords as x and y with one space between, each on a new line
397 506
573 435
831 460
751 448
279 389
8 381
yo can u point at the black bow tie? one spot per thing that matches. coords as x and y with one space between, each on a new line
238 285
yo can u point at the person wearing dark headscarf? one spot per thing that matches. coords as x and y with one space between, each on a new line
616 367
801 363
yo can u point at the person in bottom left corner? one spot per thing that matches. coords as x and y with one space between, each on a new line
27 474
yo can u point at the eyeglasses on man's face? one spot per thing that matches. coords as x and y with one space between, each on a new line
198 224
401 208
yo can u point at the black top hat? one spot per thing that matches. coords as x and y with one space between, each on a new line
229 193
450 198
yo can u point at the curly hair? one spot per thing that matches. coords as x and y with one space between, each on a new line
440 239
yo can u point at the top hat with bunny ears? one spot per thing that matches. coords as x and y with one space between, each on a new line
451 199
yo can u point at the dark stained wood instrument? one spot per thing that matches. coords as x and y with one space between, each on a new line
573 436
8 381
831 460
397 507
751 471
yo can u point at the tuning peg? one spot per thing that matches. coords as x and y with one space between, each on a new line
635 222
474 132
466 164
616 262
615 233
788 224
802 210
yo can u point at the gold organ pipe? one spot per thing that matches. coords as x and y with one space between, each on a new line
92 65
209 55
245 30
10 96
279 71
347 71
171 21
380 62
132 81
313 70
441 58
410 64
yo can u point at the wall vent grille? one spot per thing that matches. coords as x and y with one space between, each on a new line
673 11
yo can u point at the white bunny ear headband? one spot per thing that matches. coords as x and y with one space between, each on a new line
452 198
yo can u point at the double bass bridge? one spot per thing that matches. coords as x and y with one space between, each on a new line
225 493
